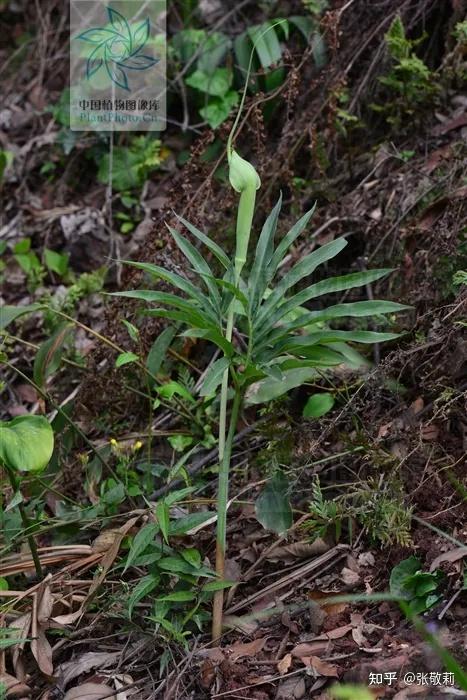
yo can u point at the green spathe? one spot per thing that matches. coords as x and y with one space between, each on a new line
242 174
245 180
26 443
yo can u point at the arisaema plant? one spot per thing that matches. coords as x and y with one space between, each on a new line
283 343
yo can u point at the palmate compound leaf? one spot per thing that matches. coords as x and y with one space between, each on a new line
26 443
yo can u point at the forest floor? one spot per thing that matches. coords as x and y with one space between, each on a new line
377 480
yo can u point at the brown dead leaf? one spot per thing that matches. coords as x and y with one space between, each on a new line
89 661
106 563
90 691
452 556
284 664
215 654
384 430
323 667
14 688
417 405
292 688
334 634
429 432
42 652
349 577
308 649
330 608
366 559
298 550
26 392
449 125
207 673
241 649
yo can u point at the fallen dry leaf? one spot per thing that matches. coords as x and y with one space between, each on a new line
90 691
284 664
330 608
429 432
89 661
13 687
241 649
323 667
292 688
298 550
349 577
452 556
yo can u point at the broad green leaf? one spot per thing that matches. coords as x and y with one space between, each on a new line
198 262
26 443
183 525
172 300
318 405
141 541
192 556
218 109
190 317
178 597
350 692
213 50
358 309
329 286
272 507
172 388
300 343
213 376
176 565
216 84
163 519
304 268
56 262
145 586
158 350
242 50
133 332
268 389
126 358
217 586
258 280
8 314
214 336
210 244
49 355
266 44
176 281
400 574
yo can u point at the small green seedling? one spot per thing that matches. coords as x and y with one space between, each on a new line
420 589
26 445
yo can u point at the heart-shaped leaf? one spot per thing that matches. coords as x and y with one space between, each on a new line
26 443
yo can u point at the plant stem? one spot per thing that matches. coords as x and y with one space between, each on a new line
27 524
222 497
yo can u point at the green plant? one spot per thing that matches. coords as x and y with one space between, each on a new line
411 84
378 508
26 445
6 159
419 589
212 77
130 164
272 350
